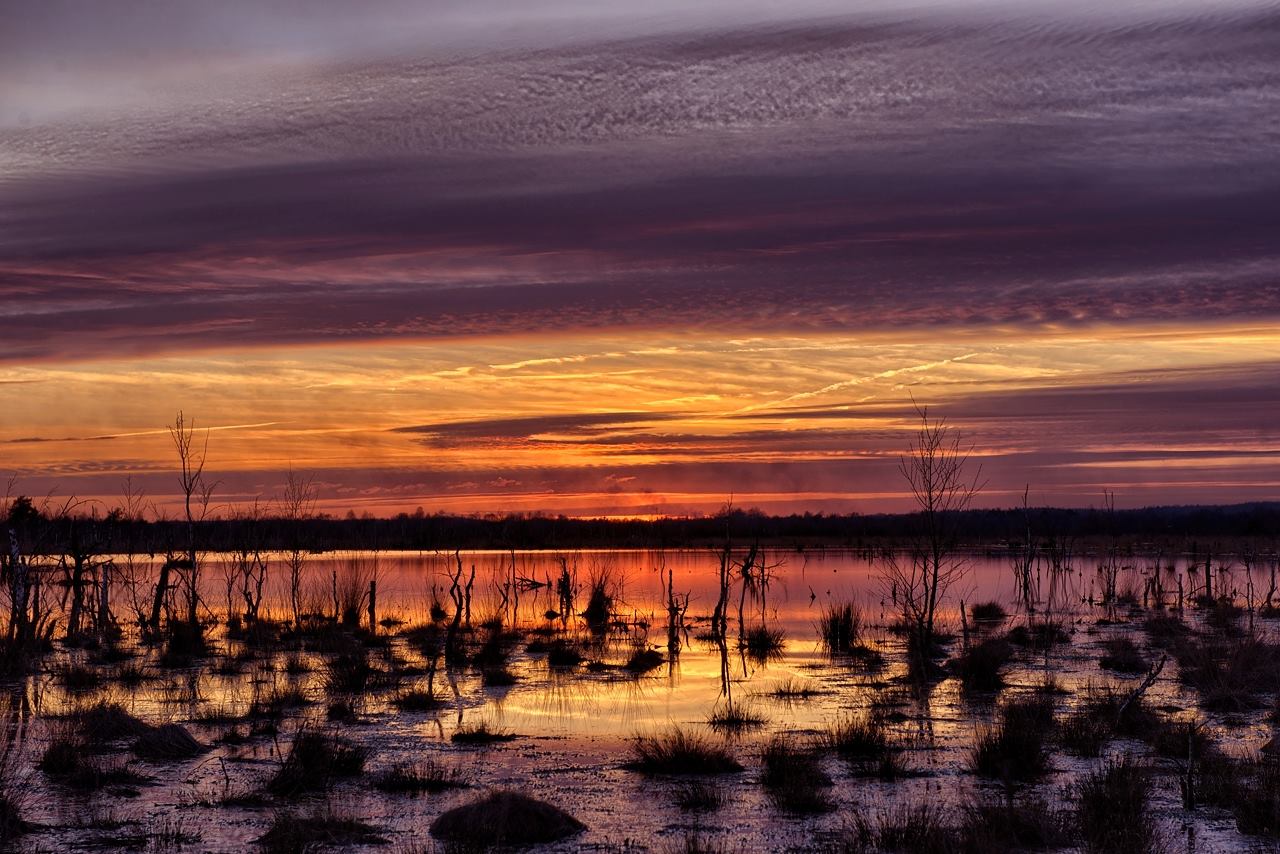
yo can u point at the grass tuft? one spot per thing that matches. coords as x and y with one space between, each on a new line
481 733
429 775
295 833
1013 750
1112 814
679 752
794 779
315 761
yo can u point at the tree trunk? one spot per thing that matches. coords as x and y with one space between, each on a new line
18 591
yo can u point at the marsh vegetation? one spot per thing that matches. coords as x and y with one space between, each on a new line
1042 692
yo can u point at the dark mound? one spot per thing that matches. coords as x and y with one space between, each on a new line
105 722
505 818
171 741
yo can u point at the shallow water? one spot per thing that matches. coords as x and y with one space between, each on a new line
575 727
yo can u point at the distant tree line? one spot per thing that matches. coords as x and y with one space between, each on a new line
43 529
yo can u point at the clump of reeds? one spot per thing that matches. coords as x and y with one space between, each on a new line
979 669
1103 713
68 759
922 827
296 833
840 628
696 843
794 778
416 700
988 613
1023 823
643 660
859 738
563 654
481 732
1112 809
678 751
497 677
1165 630
699 796
277 701
342 711
64 751
762 643
348 672
795 689
599 608
315 761
104 722
1230 674
13 793
295 665
167 834
1222 614
1013 749
183 643
429 775
1085 733
130 674
1123 656
495 649
734 717
1255 798
78 678
1039 636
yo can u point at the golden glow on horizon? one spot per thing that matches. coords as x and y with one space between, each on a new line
680 398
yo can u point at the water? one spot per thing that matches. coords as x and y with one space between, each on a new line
575 727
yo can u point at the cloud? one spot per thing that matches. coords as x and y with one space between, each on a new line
529 427
852 175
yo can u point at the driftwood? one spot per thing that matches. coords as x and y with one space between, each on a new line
1136 693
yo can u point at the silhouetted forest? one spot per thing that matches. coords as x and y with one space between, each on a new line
991 528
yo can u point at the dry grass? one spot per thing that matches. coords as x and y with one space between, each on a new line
1112 812
1013 750
680 752
481 733
295 833
315 761
734 717
429 775
794 778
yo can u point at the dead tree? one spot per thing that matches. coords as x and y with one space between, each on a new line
720 616
936 472
79 562
196 494
17 511
297 505
249 561
1027 560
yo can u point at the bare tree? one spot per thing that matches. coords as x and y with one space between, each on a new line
14 562
196 493
297 505
128 515
83 568
936 470
249 559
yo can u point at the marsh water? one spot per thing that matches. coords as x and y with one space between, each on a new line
574 727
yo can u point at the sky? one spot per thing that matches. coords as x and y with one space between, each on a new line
606 258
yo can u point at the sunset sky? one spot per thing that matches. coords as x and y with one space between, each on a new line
620 258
